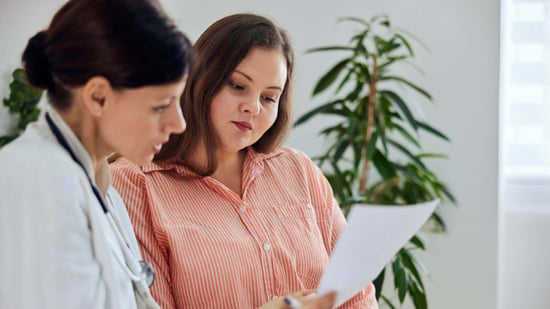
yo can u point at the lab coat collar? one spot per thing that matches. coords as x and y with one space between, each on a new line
76 146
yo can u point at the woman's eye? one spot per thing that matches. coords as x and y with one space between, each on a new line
161 109
235 86
270 99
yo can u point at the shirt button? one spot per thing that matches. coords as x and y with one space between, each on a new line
267 247
242 208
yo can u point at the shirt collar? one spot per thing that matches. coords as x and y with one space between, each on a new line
178 168
258 157
251 157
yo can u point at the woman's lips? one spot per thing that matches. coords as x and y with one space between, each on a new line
242 125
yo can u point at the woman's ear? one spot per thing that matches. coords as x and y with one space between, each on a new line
95 93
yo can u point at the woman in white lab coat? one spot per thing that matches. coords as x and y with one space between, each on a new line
114 71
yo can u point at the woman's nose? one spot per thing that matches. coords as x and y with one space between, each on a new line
176 122
251 105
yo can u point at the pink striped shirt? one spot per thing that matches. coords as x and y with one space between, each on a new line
213 249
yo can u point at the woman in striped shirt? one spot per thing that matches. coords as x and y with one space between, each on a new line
230 218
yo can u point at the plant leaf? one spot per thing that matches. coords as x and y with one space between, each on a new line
329 48
341 179
417 242
419 264
355 93
439 221
399 279
388 302
384 140
22 101
431 130
447 193
364 70
409 264
344 81
418 296
405 151
401 107
323 109
383 166
406 43
7 138
407 135
390 61
336 128
355 19
412 36
388 47
379 282
408 83
326 80
433 156
371 147
343 145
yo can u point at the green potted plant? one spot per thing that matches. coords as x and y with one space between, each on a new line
374 154
22 103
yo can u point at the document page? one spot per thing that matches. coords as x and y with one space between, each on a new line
373 235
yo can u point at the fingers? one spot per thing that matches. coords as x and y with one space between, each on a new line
303 293
304 300
323 302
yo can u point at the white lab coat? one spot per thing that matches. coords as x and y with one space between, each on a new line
57 249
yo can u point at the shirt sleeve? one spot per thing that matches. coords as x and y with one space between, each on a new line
130 182
332 222
47 258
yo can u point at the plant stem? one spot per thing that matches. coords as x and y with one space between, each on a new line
385 186
370 121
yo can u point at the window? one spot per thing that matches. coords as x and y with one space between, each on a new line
525 103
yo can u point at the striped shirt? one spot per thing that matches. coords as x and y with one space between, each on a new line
212 248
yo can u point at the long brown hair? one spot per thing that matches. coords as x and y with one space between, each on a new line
220 49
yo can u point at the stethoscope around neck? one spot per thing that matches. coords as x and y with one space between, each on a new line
136 269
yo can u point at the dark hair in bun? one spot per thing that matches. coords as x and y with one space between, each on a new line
35 62
131 43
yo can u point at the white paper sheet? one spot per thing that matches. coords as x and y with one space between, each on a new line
373 235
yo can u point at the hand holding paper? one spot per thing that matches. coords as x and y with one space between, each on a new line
372 237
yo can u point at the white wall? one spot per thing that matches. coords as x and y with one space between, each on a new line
524 274
19 20
461 73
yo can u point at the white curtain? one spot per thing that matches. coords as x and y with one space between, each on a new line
524 216
525 104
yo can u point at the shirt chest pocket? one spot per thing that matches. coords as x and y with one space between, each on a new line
303 236
297 217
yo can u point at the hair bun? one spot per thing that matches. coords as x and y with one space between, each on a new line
36 63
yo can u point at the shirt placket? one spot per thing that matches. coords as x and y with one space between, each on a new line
251 170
